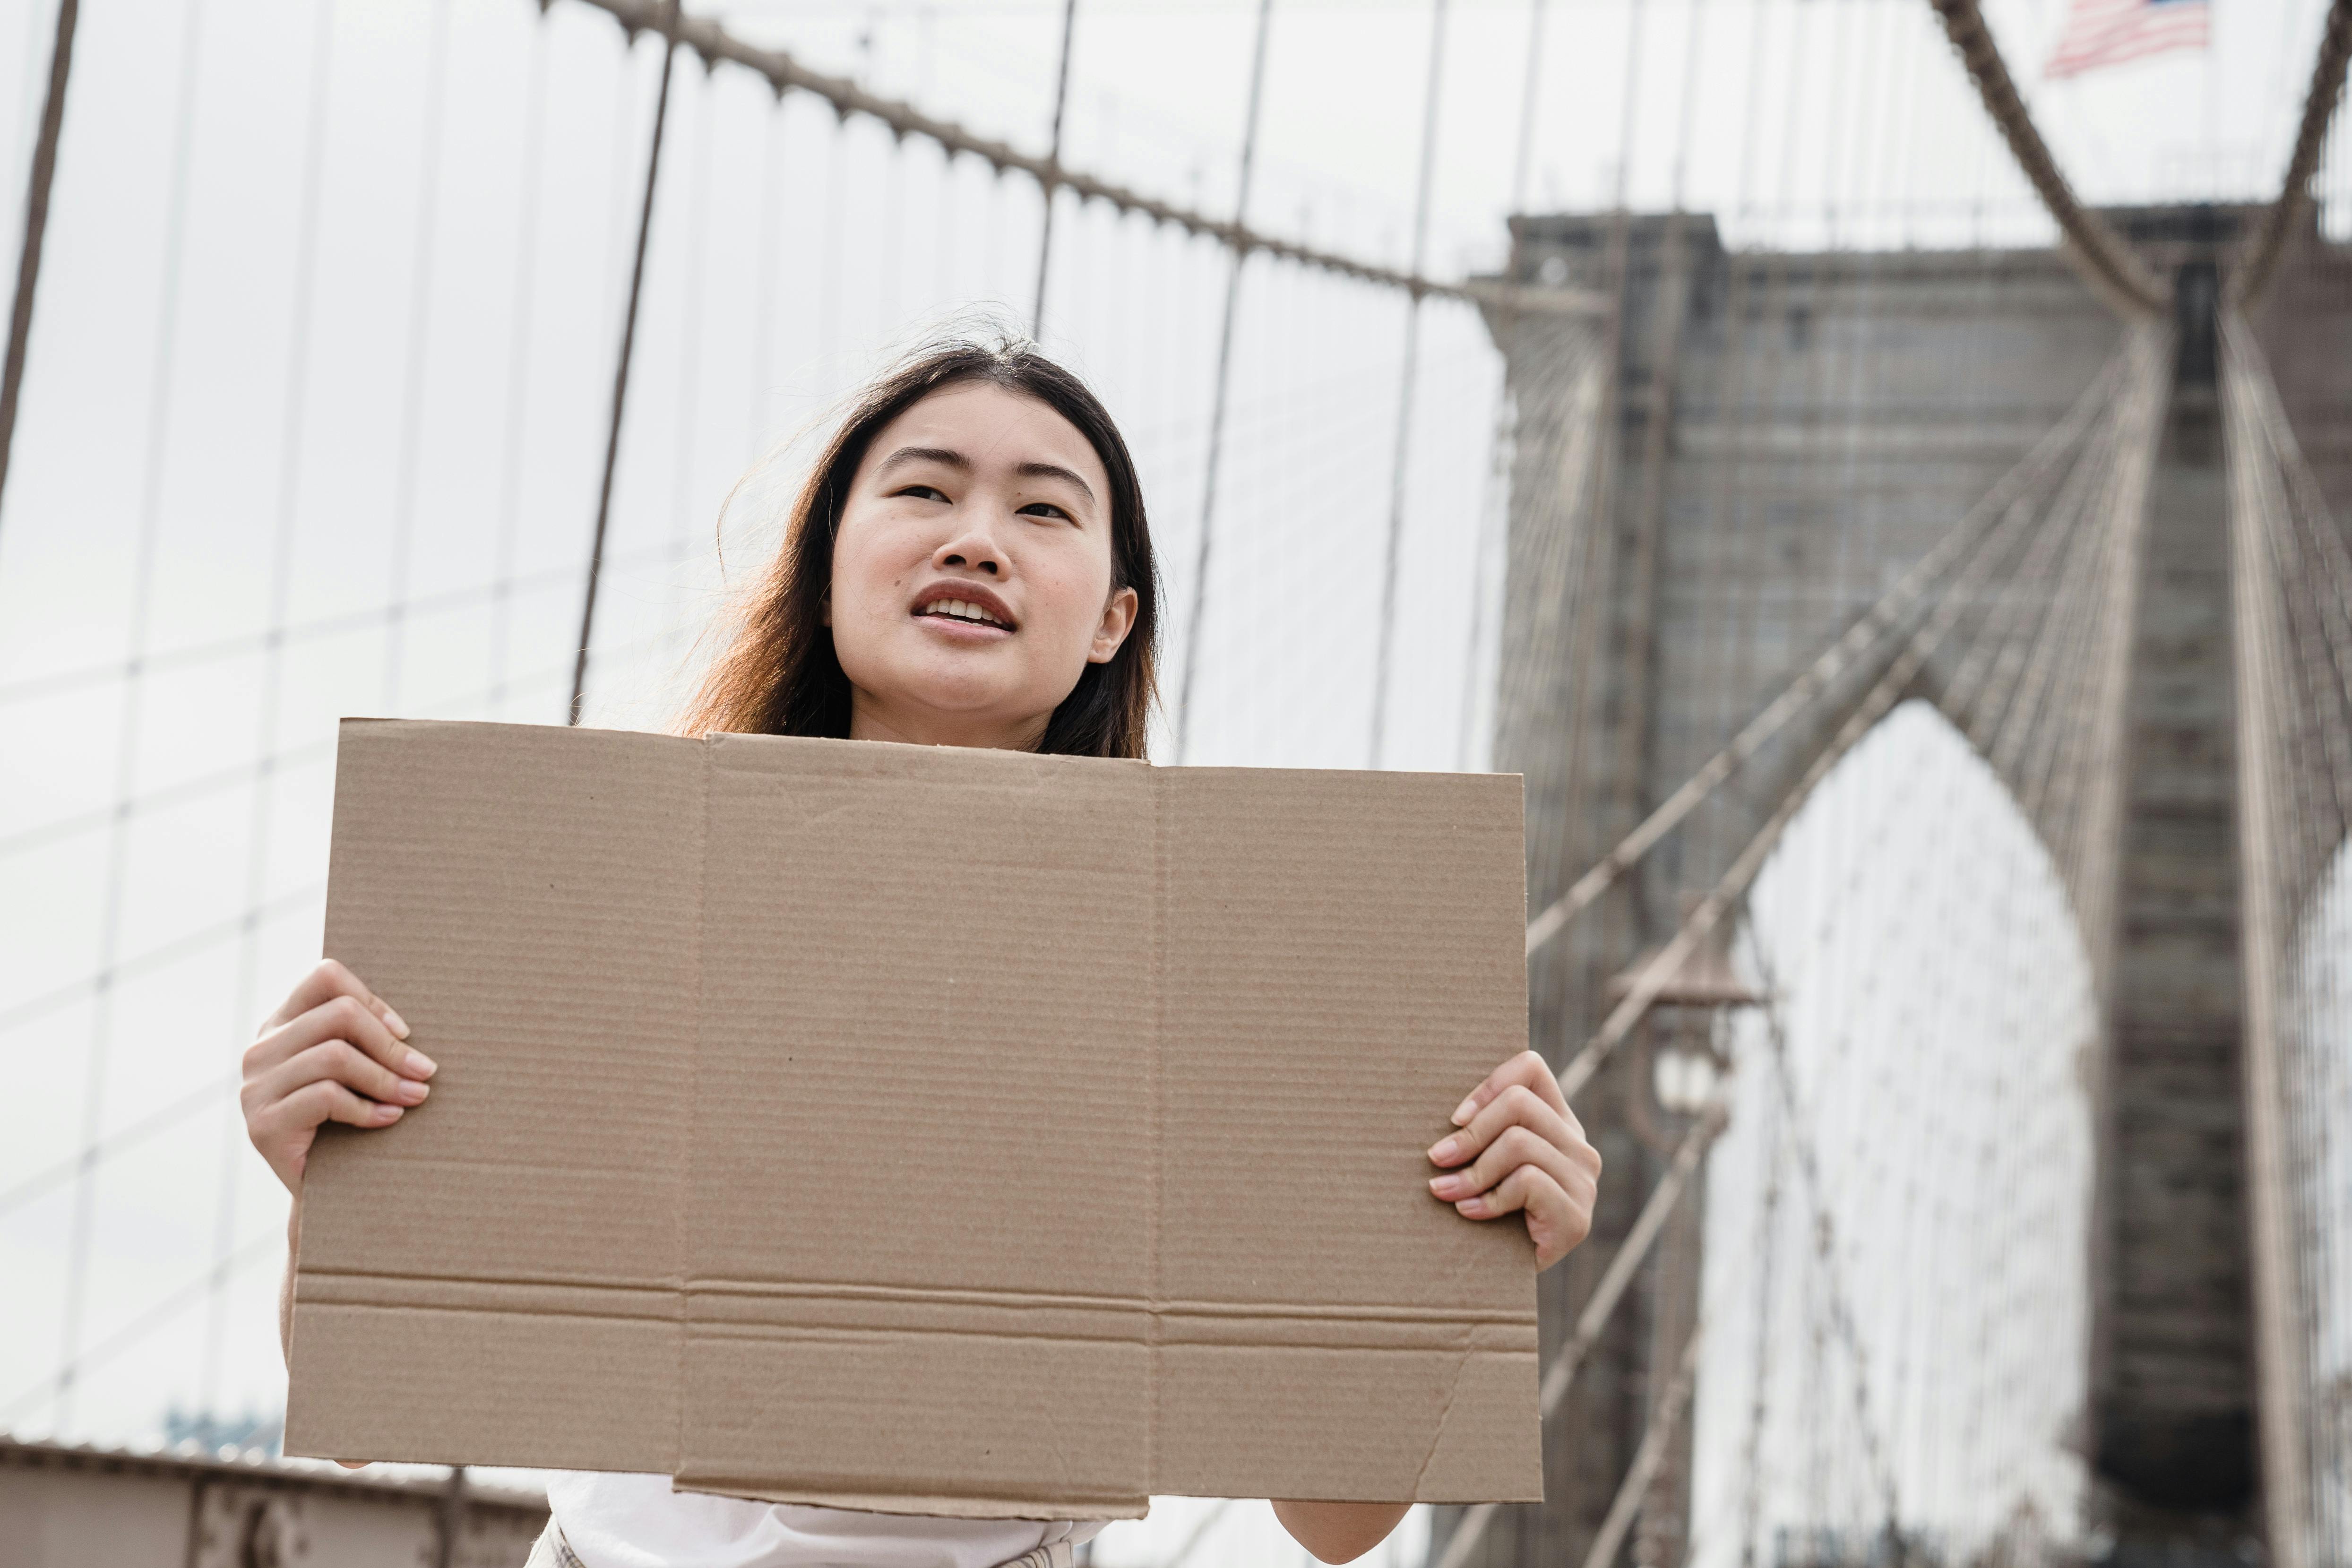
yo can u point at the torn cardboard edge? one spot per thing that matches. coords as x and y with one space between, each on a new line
920 1129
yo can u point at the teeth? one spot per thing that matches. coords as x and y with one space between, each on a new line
963 610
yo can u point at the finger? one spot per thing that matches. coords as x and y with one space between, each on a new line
336 1061
328 980
1528 1070
1517 1147
313 1104
1556 1222
339 1018
1517 1106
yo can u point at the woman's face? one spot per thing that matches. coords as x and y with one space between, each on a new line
972 572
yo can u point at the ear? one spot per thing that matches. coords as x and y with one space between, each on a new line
1117 620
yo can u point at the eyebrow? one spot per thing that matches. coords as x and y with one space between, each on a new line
949 457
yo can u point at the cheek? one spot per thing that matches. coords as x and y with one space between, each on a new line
867 570
1071 590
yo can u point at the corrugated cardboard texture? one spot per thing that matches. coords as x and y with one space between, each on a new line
917 1129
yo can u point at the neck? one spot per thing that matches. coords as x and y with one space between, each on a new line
872 720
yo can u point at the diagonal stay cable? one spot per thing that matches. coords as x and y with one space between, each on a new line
147 1323
1868 632
1649 1458
1601 1306
1651 980
213 935
102 980
196 655
161 1119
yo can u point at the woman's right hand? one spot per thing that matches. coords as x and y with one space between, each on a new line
333 1053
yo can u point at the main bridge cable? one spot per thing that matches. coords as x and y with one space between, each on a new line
2260 259
715 44
1868 633
2105 259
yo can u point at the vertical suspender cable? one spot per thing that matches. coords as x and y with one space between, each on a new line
262 813
1496 520
1217 407
621 369
420 342
36 223
1053 162
1402 459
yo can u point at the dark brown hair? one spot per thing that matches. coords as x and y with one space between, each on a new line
778 674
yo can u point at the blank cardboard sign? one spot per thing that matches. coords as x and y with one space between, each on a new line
917 1129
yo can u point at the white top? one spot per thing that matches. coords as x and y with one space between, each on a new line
636 1522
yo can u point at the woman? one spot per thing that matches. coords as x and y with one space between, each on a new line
968 565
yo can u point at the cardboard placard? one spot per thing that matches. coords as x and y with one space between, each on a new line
918 1129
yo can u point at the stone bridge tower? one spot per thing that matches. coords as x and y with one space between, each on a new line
1794 431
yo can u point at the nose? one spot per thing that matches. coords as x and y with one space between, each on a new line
971 550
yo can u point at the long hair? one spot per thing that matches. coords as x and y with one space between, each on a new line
779 675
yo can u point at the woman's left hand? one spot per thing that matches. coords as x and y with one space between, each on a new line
1521 1151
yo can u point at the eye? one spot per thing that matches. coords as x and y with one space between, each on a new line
920 492
1044 509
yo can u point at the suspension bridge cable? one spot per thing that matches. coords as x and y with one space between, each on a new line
768 265
714 43
37 226
138 1328
1652 978
195 656
164 1117
1194 615
260 818
202 786
1400 460
1493 511
519 344
147 549
1051 188
419 333
1599 1308
1666 1424
669 27
2263 744
2285 212
2114 270
1867 633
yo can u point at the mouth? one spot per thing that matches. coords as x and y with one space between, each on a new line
965 609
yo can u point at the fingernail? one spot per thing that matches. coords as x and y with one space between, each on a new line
1465 1111
387 1114
396 1022
1469 1207
1443 1150
1443 1185
420 1063
412 1092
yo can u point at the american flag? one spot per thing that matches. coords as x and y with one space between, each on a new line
2108 32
